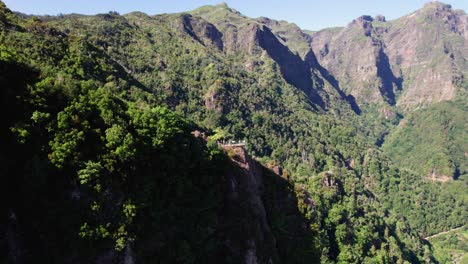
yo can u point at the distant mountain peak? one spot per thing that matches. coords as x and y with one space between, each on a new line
436 5
219 11
223 4
442 14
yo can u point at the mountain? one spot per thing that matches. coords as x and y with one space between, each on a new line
396 67
286 44
412 61
111 126
432 141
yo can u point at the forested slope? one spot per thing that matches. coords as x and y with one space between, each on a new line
100 163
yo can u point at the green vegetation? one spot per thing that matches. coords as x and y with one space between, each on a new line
429 207
98 158
102 169
451 247
433 141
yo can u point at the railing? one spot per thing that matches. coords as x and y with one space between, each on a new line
232 143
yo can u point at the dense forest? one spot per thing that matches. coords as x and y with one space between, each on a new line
109 131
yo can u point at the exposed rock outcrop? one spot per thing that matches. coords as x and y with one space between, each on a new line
201 31
415 60
254 196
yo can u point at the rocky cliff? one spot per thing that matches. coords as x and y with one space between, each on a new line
256 200
412 61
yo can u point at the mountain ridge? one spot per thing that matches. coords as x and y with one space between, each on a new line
112 127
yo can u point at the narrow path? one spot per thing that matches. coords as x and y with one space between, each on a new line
233 145
445 232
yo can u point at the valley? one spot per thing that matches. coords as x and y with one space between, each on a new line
344 145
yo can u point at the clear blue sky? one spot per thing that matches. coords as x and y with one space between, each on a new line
308 14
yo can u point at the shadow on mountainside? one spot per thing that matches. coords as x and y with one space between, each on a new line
389 80
313 62
260 216
294 70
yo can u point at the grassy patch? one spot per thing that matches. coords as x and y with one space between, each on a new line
451 247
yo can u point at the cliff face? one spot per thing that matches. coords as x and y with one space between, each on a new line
412 61
352 56
415 60
429 48
252 239
203 32
261 39
255 200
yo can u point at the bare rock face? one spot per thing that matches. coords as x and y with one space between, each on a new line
248 38
258 40
238 31
295 71
253 195
200 30
415 60
364 22
380 18
288 34
249 186
430 50
351 55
